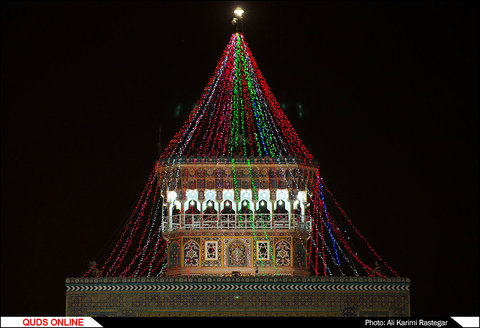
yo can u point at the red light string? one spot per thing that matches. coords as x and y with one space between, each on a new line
320 207
237 94
141 253
358 233
130 218
133 232
285 125
237 115
137 251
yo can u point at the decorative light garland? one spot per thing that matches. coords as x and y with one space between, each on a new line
236 116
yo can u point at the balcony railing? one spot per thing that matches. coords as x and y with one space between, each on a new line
235 221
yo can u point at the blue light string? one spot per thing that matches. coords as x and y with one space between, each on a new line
328 221
319 253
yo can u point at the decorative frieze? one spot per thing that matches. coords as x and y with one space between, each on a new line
238 296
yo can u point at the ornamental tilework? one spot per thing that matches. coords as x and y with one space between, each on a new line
237 252
262 252
211 248
281 298
191 253
282 253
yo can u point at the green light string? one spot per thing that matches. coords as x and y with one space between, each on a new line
266 236
253 223
237 99
275 135
249 120
235 184
261 125
261 116
233 137
234 113
239 86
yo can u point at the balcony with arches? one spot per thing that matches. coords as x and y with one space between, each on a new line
228 213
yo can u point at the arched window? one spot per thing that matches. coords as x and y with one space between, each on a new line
245 214
210 207
280 217
176 212
192 214
210 215
227 215
262 214
280 207
192 207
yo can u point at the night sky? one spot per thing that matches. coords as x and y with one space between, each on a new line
383 94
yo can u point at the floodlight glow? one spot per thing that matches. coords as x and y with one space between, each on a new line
302 196
209 193
171 196
192 194
238 12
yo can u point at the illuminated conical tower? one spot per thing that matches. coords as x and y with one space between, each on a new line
235 219
236 192
236 179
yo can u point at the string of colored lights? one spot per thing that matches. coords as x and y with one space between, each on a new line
317 220
285 126
147 225
255 198
159 234
140 251
145 247
321 208
142 197
317 203
314 237
345 243
237 116
251 121
358 233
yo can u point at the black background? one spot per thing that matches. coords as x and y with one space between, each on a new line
389 108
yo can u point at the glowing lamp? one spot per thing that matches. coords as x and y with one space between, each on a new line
302 196
171 196
238 12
